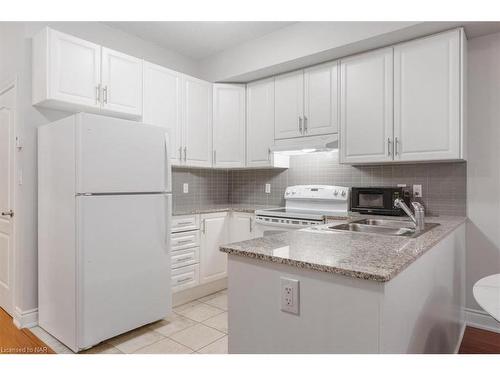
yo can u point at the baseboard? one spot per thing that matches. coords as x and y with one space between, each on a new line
25 319
480 319
460 338
188 295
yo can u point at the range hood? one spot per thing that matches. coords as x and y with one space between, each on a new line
307 144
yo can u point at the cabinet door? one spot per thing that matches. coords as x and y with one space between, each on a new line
242 227
162 104
288 105
366 126
321 99
427 118
197 122
260 122
229 125
74 70
121 82
213 263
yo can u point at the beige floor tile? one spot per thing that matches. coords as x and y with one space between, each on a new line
131 341
186 306
172 325
217 347
196 337
102 348
51 341
219 301
165 346
219 322
200 312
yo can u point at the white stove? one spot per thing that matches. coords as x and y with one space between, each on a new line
305 206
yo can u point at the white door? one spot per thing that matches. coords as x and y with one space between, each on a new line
321 99
427 118
197 122
213 263
260 122
162 104
366 104
74 70
123 263
121 83
120 156
242 227
229 125
7 113
289 105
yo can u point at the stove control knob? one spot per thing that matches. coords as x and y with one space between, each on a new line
335 193
343 193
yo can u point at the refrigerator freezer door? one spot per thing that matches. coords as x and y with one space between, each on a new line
118 156
123 264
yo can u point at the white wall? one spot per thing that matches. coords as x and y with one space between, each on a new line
15 61
483 164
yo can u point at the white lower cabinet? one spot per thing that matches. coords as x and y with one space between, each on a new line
185 277
242 227
214 232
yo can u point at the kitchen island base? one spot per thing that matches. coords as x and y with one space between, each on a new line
420 310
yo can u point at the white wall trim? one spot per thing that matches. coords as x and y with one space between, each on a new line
25 319
480 319
460 338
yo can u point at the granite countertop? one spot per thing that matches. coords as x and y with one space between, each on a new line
360 255
236 208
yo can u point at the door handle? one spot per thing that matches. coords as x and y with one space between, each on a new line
8 213
396 144
105 94
98 94
300 124
388 146
305 124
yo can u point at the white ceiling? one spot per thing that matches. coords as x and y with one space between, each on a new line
198 40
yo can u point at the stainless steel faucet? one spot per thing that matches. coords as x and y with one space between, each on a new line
418 218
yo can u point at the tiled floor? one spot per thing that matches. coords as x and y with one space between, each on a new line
196 327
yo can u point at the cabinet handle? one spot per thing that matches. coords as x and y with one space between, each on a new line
185 153
388 146
396 144
300 124
215 157
180 153
184 279
105 94
184 241
183 259
98 94
250 222
305 124
269 154
203 226
184 223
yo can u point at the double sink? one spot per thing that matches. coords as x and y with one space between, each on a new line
388 227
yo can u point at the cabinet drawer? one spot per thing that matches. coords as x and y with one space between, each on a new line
185 257
185 222
185 240
185 277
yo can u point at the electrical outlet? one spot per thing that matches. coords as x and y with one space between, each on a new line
185 188
417 191
268 188
290 295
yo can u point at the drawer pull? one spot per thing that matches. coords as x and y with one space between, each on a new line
183 259
184 241
184 279
184 223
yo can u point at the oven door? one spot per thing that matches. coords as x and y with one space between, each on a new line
374 201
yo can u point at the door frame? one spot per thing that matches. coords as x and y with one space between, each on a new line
4 88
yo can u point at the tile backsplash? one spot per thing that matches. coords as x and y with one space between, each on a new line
443 184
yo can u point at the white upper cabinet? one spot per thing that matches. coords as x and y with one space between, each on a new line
427 98
121 82
162 104
228 125
321 99
260 123
289 105
197 122
66 71
76 75
366 122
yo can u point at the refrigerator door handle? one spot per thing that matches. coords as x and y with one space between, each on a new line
168 171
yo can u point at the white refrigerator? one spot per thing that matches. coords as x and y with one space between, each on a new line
104 211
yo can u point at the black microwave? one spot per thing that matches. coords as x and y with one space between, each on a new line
378 200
